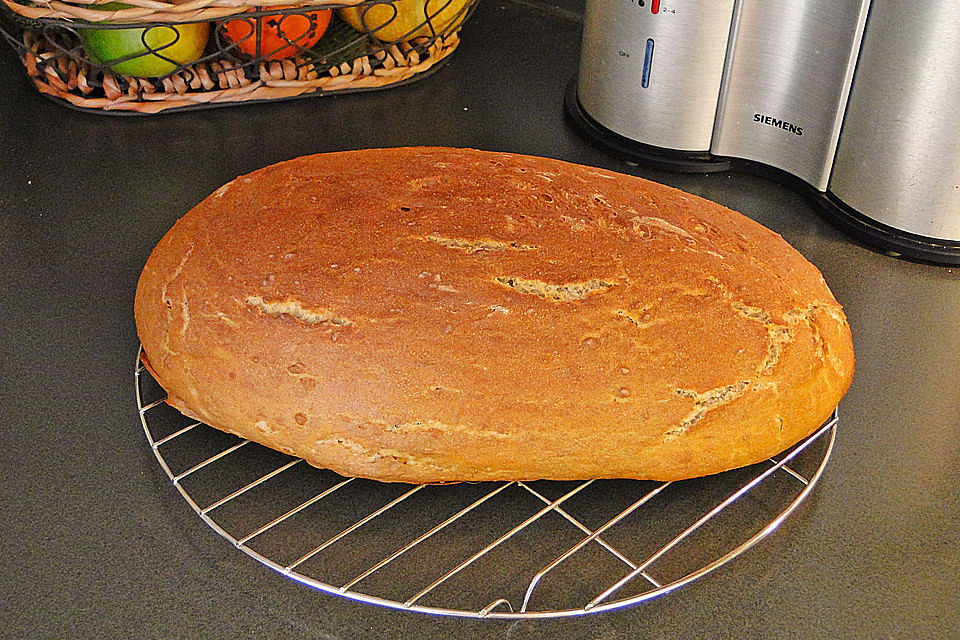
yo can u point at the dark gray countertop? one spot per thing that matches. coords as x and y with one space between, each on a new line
96 543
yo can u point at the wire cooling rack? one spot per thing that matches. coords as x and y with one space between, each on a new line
490 549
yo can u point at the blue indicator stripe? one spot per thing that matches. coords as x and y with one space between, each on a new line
647 64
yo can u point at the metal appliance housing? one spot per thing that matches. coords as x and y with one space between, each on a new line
857 104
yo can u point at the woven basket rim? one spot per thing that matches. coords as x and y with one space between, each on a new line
278 80
142 11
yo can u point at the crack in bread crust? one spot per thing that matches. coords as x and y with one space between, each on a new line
473 246
296 310
805 315
650 221
166 302
566 292
779 335
368 455
705 402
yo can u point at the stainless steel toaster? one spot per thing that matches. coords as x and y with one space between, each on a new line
857 103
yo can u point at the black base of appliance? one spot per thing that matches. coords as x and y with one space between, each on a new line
624 148
894 242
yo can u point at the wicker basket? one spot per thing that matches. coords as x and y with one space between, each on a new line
256 50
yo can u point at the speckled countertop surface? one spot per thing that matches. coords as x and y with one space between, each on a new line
94 541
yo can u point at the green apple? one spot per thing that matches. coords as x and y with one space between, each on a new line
134 52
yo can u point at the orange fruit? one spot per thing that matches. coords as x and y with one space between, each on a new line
282 35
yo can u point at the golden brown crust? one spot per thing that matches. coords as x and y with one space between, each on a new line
428 315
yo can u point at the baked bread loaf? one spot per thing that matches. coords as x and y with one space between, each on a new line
435 315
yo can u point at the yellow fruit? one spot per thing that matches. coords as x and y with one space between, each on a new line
408 20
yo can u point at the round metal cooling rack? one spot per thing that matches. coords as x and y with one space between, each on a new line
495 550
